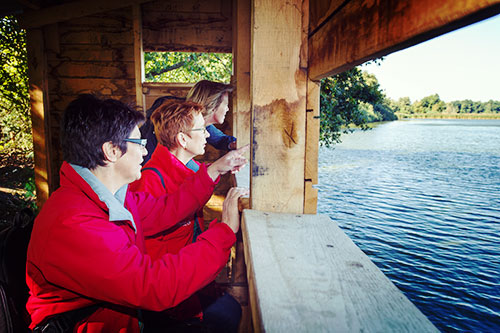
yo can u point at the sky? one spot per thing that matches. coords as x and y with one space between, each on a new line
462 64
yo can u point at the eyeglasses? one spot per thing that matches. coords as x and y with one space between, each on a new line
199 129
141 142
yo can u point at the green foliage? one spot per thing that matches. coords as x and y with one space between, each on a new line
187 67
15 120
351 98
30 194
433 105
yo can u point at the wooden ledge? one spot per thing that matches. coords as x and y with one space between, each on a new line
306 275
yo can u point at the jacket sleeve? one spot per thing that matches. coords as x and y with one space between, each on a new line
158 214
218 139
97 259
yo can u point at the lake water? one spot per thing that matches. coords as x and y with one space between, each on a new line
422 199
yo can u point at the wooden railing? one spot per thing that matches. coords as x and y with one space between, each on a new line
305 274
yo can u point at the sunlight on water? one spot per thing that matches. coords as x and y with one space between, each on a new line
422 199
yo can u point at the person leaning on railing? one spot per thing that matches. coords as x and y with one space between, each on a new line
181 134
87 269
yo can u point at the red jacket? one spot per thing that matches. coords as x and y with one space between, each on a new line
77 257
174 173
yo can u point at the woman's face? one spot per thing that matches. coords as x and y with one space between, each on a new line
128 166
197 136
220 112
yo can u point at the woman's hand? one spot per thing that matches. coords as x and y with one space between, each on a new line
230 213
232 161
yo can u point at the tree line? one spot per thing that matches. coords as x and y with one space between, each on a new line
434 105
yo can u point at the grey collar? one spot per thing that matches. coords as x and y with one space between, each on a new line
115 203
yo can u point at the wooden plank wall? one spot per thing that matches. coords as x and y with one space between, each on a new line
91 54
344 34
187 25
154 90
278 90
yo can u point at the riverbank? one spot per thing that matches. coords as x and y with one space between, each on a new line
448 115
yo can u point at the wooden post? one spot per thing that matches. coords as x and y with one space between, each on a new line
138 57
241 65
312 145
37 72
278 92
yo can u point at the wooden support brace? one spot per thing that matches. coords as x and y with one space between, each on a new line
37 72
138 57
312 146
241 65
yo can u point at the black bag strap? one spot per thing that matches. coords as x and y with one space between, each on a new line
159 175
66 321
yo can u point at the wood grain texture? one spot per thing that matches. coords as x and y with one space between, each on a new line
241 77
188 25
71 10
37 72
367 29
93 53
310 198
278 90
312 147
138 57
320 10
154 90
306 275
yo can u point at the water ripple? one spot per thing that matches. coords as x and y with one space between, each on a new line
427 215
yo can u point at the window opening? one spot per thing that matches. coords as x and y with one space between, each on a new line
187 67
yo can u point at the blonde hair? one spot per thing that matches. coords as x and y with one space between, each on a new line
173 117
209 94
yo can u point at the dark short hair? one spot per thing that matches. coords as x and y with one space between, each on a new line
89 122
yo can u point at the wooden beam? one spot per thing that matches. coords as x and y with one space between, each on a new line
138 57
278 90
241 65
306 275
71 10
364 30
37 73
321 10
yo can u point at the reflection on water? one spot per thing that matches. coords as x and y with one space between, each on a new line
422 199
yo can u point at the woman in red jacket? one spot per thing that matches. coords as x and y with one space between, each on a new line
181 133
87 268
